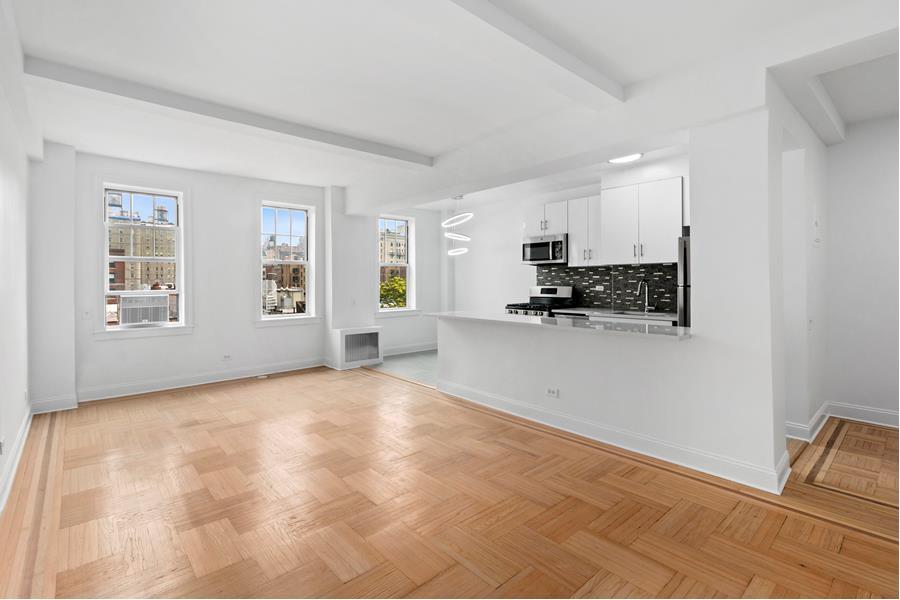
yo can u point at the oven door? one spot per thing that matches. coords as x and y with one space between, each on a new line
544 250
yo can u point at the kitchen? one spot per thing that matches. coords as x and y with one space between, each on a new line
599 257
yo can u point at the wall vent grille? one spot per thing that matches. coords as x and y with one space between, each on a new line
360 346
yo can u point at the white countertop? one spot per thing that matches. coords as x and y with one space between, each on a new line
593 325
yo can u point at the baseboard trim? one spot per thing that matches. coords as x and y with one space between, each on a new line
768 480
12 465
54 403
841 410
807 432
409 349
867 414
91 393
783 469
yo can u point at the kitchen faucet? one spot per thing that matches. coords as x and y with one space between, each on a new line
643 282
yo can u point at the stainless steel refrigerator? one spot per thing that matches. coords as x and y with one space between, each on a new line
684 277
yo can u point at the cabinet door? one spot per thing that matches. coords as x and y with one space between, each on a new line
618 226
533 221
555 218
595 227
579 240
660 220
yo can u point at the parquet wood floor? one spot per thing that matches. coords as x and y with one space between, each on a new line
348 484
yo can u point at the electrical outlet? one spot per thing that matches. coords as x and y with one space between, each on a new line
553 393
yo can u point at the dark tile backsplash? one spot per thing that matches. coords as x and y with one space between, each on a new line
619 283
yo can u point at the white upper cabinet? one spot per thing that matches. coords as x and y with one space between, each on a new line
555 218
659 222
533 221
545 219
579 232
584 231
618 226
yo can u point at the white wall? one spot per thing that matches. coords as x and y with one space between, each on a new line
861 273
51 285
492 275
222 269
803 221
221 220
353 256
14 407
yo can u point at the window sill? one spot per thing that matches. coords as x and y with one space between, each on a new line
142 332
392 313
295 320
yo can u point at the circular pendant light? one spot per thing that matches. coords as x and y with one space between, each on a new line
459 237
457 220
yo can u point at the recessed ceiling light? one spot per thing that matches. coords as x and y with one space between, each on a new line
625 159
457 220
457 236
457 251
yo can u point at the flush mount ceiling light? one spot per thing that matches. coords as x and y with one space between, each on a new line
457 220
457 236
457 251
625 159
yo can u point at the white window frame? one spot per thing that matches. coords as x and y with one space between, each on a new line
310 315
180 279
410 267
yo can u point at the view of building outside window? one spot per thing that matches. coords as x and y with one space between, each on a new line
285 276
143 257
393 258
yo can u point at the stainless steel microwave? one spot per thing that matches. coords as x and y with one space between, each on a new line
546 250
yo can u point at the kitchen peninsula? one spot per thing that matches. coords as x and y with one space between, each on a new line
637 385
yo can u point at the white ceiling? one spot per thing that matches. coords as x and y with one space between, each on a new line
404 72
433 77
866 90
635 40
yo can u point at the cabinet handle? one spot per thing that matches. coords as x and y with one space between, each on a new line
584 254
634 250
590 253
642 249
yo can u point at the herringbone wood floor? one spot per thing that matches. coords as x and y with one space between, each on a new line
326 483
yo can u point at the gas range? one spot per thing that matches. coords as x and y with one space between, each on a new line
543 299
528 308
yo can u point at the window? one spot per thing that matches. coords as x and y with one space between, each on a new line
395 252
143 285
285 261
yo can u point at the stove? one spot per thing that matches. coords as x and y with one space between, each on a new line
542 301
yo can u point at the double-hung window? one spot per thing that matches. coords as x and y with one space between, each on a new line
144 280
395 258
285 289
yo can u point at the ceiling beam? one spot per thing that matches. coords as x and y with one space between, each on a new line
567 73
38 67
831 125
